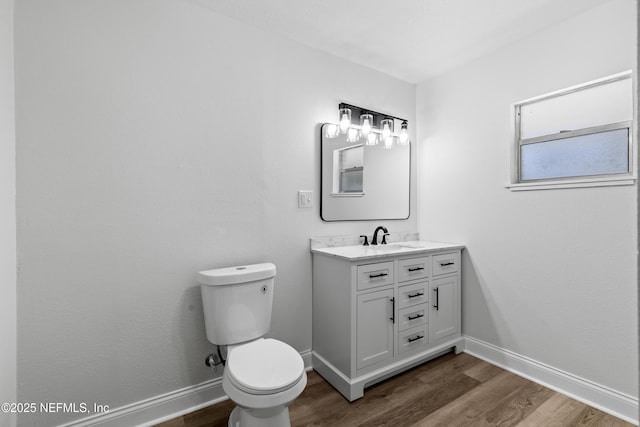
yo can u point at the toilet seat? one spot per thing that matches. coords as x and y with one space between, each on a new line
264 366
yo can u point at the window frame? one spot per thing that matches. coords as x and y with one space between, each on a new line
619 178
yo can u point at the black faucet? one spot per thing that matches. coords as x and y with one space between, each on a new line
374 239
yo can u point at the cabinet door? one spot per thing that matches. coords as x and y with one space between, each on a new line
375 312
443 312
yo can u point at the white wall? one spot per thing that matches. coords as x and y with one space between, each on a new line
550 275
7 216
157 139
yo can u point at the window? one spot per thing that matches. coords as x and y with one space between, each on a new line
575 137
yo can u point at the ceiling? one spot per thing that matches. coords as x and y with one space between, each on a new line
412 40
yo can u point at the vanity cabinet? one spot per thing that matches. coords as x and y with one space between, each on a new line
443 317
374 330
376 316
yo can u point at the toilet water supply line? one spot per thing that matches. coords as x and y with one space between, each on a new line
215 360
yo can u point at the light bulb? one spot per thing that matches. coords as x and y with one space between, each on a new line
365 122
387 128
388 142
403 139
332 130
345 119
372 139
352 135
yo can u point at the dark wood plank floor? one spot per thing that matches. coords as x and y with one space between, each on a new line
449 391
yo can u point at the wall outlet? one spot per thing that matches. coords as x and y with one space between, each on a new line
305 198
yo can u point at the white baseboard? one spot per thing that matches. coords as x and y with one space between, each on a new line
607 400
164 407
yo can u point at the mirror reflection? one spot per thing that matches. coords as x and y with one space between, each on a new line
363 182
348 169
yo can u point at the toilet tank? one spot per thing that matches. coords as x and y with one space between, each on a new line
237 302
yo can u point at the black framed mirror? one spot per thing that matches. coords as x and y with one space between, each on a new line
363 182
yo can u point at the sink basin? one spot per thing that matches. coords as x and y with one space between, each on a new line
410 245
388 248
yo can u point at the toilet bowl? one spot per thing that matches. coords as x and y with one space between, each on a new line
262 375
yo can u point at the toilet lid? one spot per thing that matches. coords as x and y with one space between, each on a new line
264 366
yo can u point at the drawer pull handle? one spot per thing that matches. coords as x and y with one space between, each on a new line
417 316
444 264
419 294
419 337
375 276
415 269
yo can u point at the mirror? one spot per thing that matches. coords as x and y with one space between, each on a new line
363 182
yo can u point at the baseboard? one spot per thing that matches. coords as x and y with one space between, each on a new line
613 402
164 407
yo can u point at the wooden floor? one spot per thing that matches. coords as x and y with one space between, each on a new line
449 391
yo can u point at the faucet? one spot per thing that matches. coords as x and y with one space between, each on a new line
374 239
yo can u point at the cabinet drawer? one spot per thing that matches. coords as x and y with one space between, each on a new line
414 268
412 338
374 275
445 263
413 316
410 295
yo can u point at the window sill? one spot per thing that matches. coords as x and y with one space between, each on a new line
583 183
354 194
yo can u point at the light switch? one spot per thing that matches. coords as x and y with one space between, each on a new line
305 199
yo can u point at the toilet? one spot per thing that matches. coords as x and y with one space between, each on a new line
263 376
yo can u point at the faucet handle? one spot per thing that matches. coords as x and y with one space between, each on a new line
384 239
366 241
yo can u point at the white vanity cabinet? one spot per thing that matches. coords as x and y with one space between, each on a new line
384 312
374 333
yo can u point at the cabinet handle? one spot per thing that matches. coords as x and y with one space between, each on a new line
417 316
415 269
419 294
444 264
393 310
375 276
437 306
419 337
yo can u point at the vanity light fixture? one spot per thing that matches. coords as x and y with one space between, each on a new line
373 127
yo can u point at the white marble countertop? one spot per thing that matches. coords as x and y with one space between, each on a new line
359 252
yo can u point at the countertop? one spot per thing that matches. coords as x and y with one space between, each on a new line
359 252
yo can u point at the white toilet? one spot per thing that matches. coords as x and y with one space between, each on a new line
262 376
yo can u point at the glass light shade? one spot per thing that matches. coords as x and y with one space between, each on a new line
388 142
352 135
387 128
366 123
332 130
345 119
403 139
372 139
